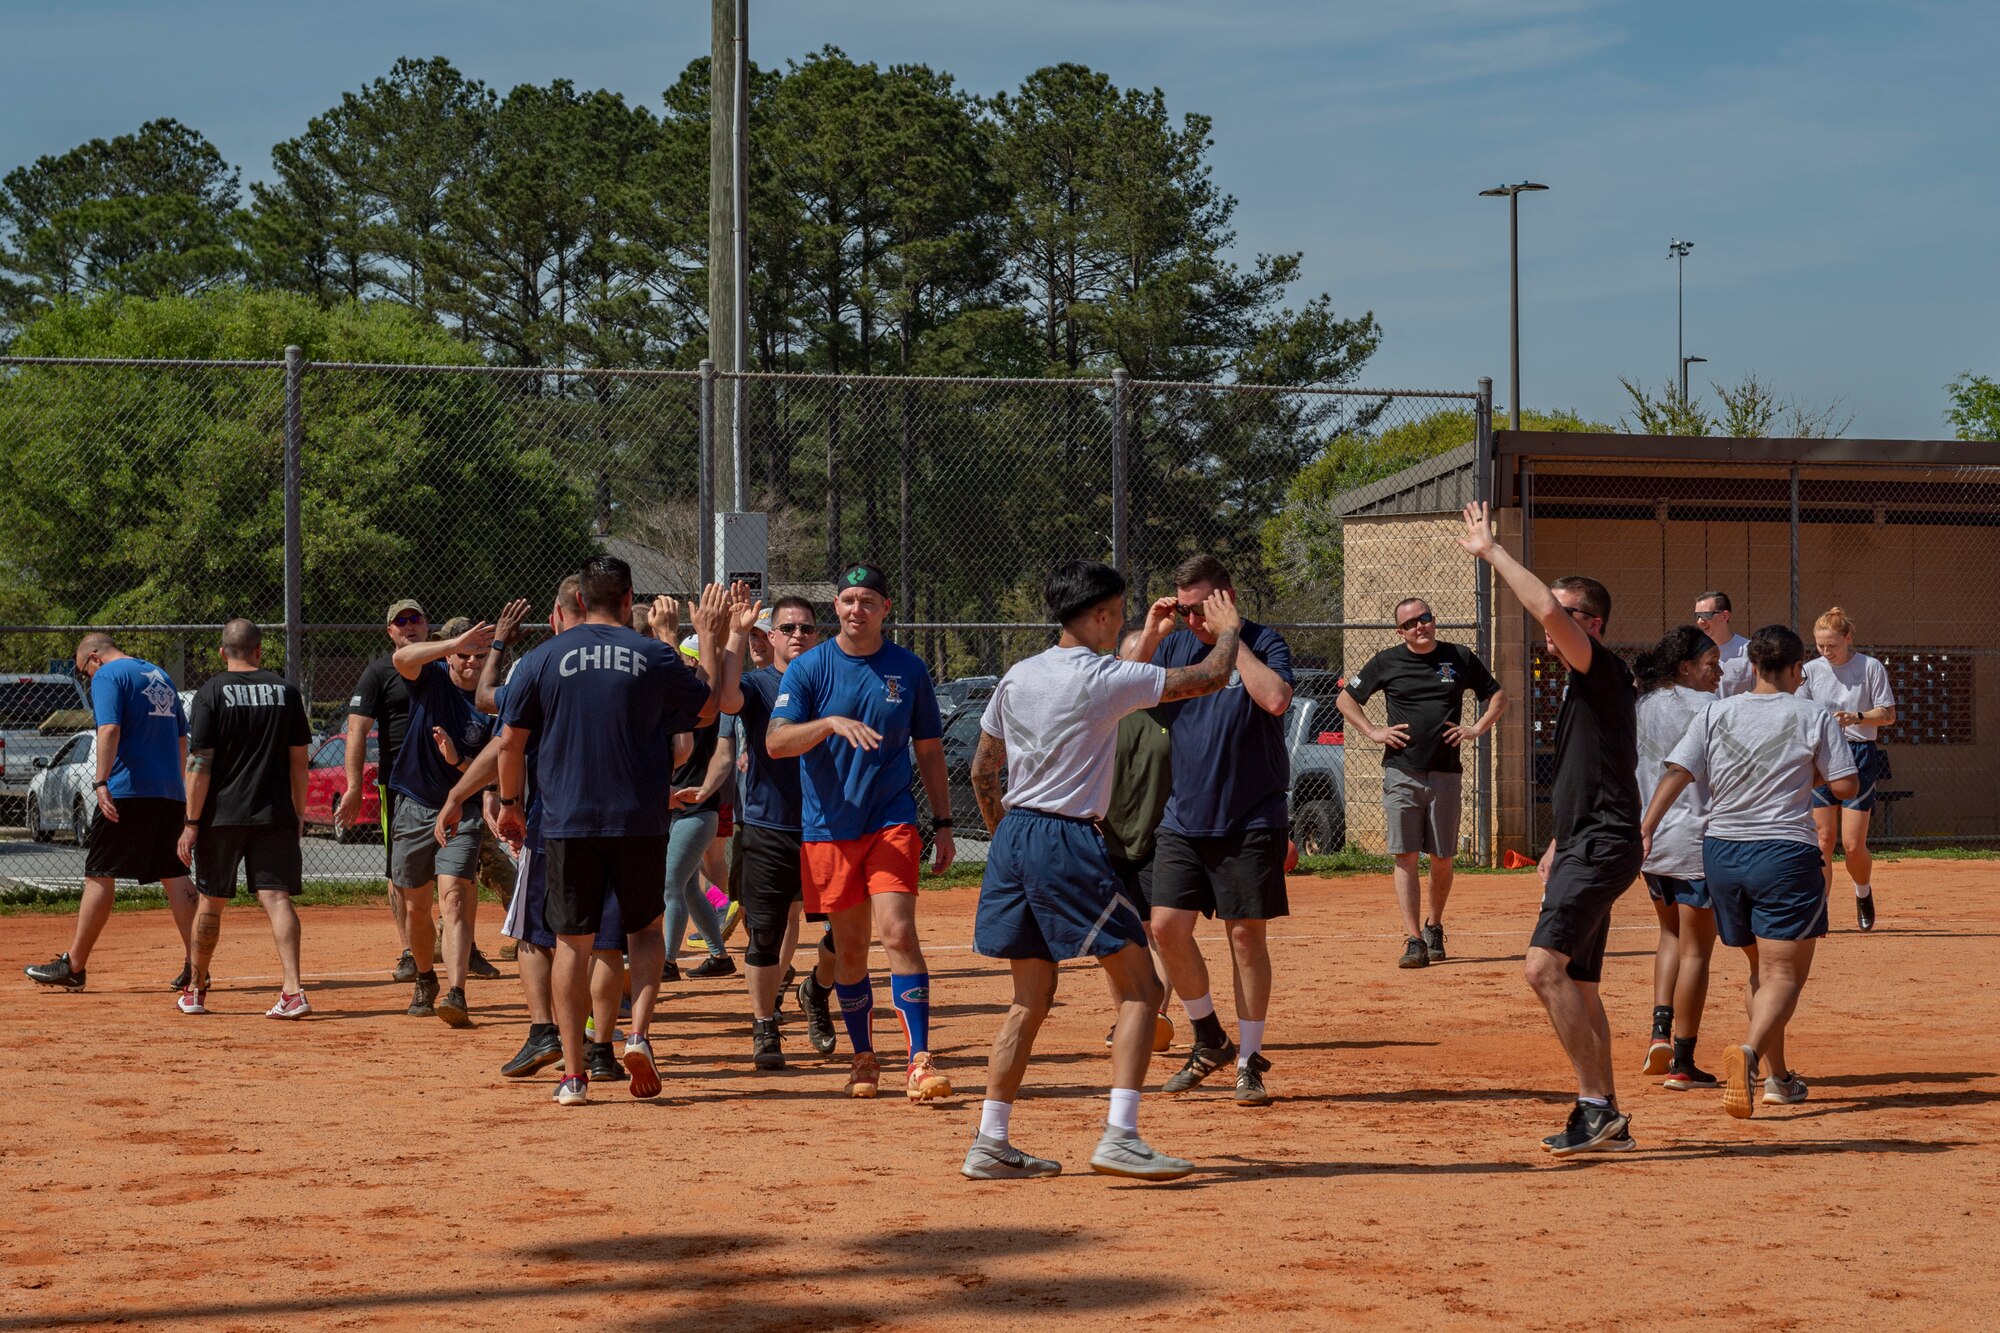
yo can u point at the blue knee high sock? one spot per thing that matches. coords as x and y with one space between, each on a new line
912 997
857 1010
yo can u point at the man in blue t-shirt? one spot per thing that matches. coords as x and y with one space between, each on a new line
603 703
440 674
853 710
1222 843
141 749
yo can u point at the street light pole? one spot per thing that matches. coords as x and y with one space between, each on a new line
1678 252
1513 194
1687 361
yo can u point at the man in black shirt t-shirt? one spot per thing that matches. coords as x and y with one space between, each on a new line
1425 682
1596 851
382 700
247 739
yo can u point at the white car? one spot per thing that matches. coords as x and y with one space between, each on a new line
59 796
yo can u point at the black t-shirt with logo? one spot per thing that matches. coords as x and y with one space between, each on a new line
384 695
1426 691
695 771
1597 753
250 720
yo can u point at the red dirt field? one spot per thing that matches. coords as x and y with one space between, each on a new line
367 1170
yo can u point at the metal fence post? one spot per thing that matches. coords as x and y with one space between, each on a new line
295 564
1482 612
705 483
1795 546
1121 555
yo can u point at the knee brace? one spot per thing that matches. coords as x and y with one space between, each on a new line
762 951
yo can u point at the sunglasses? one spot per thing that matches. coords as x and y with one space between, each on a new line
407 619
795 627
1578 611
1706 615
1425 619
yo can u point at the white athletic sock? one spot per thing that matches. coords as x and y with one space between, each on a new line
1125 1109
1200 1007
1862 890
993 1118
1595 1101
1249 1039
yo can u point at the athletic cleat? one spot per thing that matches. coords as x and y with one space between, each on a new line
57 972
186 975
864 1077
927 1084
1414 954
478 966
766 1051
997 1159
193 1000
451 1008
537 1053
1686 1078
405 968
1659 1057
1121 1152
289 1006
1434 942
1250 1089
423 1001
601 1064
819 1018
1201 1062
1739 1067
715 965
639 1064
1864 911
573 1091
1592 1129
1787 1091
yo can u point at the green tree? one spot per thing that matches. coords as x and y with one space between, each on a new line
1974 413
1749 409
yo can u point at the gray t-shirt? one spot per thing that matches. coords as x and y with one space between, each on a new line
1738 677
1855 686
1664 716
1058 713
1760 756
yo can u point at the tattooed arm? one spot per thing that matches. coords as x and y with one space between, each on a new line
1212 672
989 761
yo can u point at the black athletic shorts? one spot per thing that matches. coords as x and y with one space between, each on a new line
1585 879
768 861
142 844
1137 879
583 872
1238 876
269 858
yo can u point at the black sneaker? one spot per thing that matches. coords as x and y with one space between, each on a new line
671 972
423 1003
537 1053
1591 1129
1864 911
715 965
185 979
765 1050
819 1018
1414 953
778 1005
1250 1090
405 968
601 1064
1434 941
479 967
451 1008
1201 1062
56 972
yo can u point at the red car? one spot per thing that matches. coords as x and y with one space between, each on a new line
326 783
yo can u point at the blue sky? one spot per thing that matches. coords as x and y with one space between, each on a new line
1836 164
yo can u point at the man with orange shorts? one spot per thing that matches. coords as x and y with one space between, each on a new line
854 710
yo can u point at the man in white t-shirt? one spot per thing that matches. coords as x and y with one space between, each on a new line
1711 615
1049 891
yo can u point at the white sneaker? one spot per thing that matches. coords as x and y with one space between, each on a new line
289 1006
573 1091
192 1001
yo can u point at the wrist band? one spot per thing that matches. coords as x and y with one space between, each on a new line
941 823
505 801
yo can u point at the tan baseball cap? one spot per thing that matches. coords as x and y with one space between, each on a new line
407 604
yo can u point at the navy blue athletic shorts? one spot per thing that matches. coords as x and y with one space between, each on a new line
1050 893
526 921
1769 890
1867 769
1691 892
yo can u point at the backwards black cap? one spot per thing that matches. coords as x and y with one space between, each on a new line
865 576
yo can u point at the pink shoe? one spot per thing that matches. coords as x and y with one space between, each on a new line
289 1006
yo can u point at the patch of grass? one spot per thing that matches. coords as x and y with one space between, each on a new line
1939 854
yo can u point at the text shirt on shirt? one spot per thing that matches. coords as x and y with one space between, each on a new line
771 797
1855 686
140 700
605 703
436 701
1596 789
1231 771
1427 692
847 792
1058 714
249 720
1759 756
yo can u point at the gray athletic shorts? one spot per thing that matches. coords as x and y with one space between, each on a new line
415 858
1421 812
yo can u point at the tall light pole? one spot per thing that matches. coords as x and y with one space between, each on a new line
1687 361
1513 193
1678 252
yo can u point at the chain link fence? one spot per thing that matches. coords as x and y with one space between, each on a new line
157 499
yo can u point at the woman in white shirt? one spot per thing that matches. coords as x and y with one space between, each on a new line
1676 679
1856 687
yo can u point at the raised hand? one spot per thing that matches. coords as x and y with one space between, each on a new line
711 613
511 617
1219 610
663 617
1162 616
1478 536
744 618
475 640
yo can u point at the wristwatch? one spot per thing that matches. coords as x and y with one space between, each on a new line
191 823
505 800
941 823
95 785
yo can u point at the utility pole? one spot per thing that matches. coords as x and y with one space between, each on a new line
724 305
1513 196
1678 252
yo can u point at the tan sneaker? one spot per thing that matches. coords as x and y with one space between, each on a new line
926 1083
865 1077
1739 1070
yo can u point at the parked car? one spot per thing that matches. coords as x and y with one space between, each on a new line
28 702
326 783
966 690
60 798
1315 740
960 739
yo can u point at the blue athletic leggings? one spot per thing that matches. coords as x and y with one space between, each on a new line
688 839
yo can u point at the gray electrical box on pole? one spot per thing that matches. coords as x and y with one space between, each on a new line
743 551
